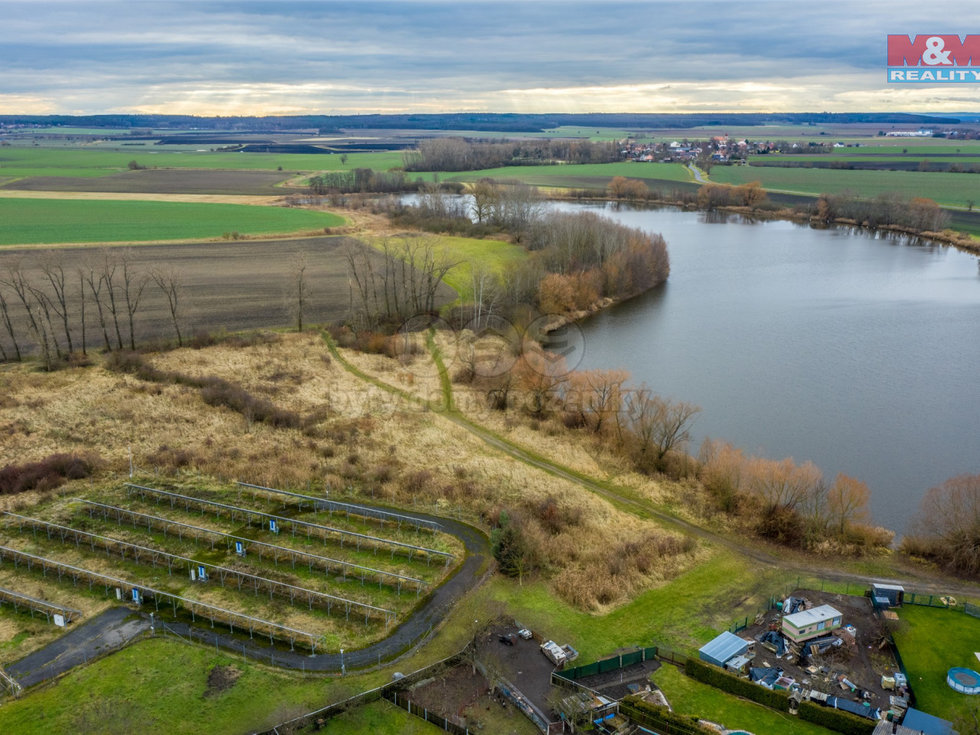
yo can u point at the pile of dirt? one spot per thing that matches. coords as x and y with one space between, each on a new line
220 679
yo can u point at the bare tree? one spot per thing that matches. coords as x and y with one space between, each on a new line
54 271
658 425
299 279
133 285
406 282
8 324
169 282
847 502
31 300
96 283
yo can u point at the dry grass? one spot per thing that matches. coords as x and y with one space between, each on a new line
360 441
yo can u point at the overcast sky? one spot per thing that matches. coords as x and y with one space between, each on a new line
288 57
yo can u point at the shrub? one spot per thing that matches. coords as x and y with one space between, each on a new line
650 715
835 719
712 675
47 474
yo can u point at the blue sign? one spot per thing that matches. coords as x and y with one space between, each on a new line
273 526
240 548
201 574
136 595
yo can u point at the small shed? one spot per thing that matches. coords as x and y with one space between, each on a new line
723 648
887 595
927 724
806 624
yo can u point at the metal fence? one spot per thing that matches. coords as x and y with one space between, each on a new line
401 700
620 661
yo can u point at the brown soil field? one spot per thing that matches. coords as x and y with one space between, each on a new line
163 181
234 285
144 197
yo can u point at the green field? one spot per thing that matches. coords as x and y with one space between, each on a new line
691 697
378 718
547 175
41 221
931 641
81 161
159 685
948 189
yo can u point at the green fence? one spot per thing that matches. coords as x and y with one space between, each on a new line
609 664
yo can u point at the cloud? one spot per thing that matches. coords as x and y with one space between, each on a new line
324 57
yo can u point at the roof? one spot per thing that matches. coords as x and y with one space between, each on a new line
926 723
897 587
814 615
724 647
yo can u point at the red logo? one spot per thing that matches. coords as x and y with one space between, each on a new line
934 50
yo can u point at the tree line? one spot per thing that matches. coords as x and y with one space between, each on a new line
459 154
61 312
889 209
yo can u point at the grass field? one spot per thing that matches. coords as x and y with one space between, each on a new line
42 161
545 175
931 641
950 189
37 221
691 697
378 718
159 685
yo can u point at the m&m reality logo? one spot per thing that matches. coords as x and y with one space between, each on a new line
940 58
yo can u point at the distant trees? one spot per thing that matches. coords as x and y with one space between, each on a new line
889 209
622 188
359 180
459 154
711 195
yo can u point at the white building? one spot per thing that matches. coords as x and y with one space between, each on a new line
807 624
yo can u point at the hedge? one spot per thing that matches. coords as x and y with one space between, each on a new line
708 674
651 715
835 719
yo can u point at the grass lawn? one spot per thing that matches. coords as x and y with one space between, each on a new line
159 685
378 718
931 641
691 697
945 188
36 221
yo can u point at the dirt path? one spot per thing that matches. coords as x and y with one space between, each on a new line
184 198
619 498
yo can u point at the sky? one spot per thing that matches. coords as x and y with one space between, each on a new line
286 57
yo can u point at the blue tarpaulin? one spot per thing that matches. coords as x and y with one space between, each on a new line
926 723
723 648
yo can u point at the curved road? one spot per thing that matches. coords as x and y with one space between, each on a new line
117 627
120 625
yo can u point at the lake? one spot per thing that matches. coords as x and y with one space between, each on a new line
859 352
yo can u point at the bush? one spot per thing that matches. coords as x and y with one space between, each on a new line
712 675
835 719
650 715
47 474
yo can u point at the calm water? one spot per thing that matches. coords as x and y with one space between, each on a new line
859 353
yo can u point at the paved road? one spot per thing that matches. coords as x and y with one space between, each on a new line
104 633
697 174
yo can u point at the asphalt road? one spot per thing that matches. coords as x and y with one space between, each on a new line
107 632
